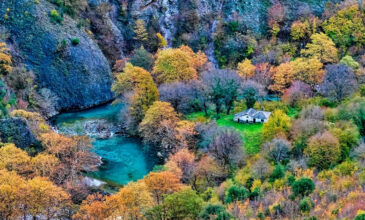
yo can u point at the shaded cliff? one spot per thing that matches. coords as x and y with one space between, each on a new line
63 57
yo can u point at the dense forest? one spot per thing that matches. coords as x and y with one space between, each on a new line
185 73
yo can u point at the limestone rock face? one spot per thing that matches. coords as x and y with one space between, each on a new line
17 131
78 74
195 22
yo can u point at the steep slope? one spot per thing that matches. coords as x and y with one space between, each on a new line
78 74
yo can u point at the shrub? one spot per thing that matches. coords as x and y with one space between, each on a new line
278 173
303 187
323 150
236 193
306 204
362 90
55 16
142 58
360 216
75 41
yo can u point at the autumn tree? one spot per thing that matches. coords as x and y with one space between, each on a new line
278 125
137 86
297 92
131 202
322 47
5 59
94 207
44 198
45 164
310 123
141 32
349 61
162 43
162 183
14 159
198 59
339 82
277 150
208 173
227 148
10 194
276 14
300 30
263 74
183 204
346 28
283 77
73 153
323 150
246 69
35 120
182 164
179 95
158 127
309 71
348 136
179 64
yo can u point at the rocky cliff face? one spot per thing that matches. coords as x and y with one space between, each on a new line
77 74
197 22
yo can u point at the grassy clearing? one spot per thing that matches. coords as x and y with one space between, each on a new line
251 133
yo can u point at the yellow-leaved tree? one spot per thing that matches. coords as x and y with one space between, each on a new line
246 69
14 159
179 64
132 201
283 76
322 47
308 70
278 125
5 59
137 85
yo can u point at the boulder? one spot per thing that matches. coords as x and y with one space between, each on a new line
17 131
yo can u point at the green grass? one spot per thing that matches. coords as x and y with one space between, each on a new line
251 133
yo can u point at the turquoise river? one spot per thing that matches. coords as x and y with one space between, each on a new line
124 159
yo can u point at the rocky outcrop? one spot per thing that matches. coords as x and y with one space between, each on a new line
17 131
77 73
195 22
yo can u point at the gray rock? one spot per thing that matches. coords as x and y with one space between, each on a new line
79 75
173 15
17 131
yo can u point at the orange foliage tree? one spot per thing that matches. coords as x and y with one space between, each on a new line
162 183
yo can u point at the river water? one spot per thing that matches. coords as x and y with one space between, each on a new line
124 158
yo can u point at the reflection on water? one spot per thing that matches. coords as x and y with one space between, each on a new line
124 158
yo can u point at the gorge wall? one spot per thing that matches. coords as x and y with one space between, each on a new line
79 75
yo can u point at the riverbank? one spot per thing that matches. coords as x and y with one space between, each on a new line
124 158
